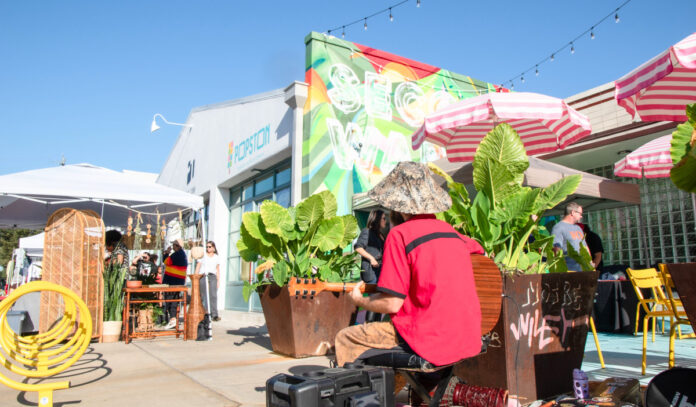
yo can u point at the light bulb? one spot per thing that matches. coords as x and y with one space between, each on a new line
522 78
417 3
391 17
365 25
616 18
592 33
512 86
537 71
553 56
343 33
572 48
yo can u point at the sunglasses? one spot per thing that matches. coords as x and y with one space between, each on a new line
209 247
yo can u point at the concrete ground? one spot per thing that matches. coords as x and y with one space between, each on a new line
231 370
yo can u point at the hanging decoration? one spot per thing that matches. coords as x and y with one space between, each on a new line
148 237
137 238
129 228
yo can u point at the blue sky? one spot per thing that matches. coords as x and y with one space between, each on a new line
82 79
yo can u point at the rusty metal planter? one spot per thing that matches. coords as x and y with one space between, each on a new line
539 338
304 327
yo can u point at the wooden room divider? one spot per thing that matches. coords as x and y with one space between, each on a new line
73 258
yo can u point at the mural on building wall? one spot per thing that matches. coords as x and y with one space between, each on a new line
362 108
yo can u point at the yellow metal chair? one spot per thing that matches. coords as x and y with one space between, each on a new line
678 317
656 307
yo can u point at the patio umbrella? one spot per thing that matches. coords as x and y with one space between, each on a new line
544 123
662 87
651 160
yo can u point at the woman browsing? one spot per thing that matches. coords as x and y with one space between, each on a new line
209 267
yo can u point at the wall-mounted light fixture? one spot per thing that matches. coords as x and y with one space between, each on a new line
154 127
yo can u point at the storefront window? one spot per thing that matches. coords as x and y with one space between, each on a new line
273 184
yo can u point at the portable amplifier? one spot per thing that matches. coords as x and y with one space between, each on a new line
347 386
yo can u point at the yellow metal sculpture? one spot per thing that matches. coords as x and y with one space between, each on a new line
48 353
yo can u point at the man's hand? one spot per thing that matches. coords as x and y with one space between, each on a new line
374 262
355 295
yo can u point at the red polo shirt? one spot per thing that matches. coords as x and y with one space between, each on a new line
428 264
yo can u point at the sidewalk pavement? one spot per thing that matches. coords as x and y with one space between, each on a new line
232 369
229 371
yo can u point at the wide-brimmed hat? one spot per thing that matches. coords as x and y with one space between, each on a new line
410 188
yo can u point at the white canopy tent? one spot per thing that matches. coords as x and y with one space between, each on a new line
32 245
28 198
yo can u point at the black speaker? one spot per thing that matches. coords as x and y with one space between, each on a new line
349 386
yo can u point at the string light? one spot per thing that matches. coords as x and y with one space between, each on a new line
387 11
417 3
570 44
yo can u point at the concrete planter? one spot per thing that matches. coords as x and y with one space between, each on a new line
304 327
539 338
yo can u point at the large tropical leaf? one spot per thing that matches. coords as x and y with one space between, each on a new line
583 257
329 234
254 226
683 174
557 192
683 153
517 206
503 144
309 211
276 219
330 204
495 180
350 229
281 273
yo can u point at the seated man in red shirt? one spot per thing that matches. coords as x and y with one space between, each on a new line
426 283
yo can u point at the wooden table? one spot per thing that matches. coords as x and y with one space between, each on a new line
128 335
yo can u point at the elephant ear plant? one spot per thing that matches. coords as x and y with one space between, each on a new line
302 241
504 213
683 152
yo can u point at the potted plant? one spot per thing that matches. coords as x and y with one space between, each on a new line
114 278
545 314
305 241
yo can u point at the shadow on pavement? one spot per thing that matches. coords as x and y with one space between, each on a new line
254 334
90 368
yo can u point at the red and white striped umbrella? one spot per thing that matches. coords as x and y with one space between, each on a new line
544 123
651 160
661 88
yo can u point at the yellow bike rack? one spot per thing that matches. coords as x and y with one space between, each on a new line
48 353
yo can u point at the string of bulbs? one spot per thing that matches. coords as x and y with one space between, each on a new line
364 19
534 67
570 44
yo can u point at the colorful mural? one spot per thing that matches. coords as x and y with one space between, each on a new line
362 108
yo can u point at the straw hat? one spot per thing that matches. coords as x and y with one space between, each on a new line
410 188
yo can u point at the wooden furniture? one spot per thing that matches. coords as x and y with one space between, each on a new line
73 258
656 307
679 316
128 301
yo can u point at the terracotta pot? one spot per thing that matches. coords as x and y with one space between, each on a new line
304 327
111 332
134 283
